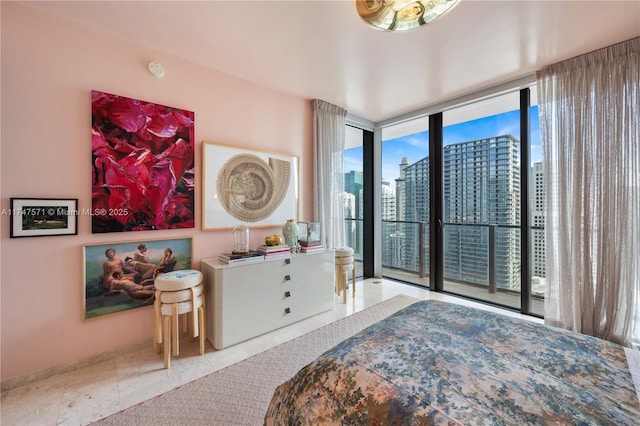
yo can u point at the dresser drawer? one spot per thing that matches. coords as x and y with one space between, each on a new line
242 284
252 319
247 300
271 307
312 269
303 294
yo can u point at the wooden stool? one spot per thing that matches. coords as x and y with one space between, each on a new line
177 293
344 262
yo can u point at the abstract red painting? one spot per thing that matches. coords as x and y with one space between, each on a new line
142 165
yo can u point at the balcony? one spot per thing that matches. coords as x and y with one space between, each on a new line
480 261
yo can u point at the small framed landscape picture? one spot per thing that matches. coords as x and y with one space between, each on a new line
37 217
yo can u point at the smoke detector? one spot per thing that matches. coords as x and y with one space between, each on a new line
156 69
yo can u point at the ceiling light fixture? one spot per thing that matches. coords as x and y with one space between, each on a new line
402 15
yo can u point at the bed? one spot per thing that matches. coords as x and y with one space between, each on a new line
442 363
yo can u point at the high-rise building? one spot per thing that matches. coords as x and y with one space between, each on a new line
388 202
400 189
481 197
407 238
538 203
415 182
350 224
353 182
392 243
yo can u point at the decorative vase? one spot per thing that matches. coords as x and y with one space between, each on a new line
290 232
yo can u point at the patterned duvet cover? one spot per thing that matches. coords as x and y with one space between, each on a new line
436 363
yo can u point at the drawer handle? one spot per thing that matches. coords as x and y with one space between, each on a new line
287 311
287 277
287 261
287 294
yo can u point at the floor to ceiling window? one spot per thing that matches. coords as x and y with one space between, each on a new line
354 193
405 201
479 251
481 200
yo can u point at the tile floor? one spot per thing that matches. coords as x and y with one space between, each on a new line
112 383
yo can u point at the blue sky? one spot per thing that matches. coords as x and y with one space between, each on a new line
416 146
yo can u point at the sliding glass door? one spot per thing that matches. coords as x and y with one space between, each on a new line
481 200
405 199
487 201
461 201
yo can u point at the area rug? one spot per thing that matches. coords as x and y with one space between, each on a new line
240 394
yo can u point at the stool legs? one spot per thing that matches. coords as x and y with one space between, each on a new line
175 330
178 293
341 283
345 280
167 339
353 281
201 324
157 324
167 330
344 265
194 315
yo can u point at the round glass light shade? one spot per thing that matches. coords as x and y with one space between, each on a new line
402 15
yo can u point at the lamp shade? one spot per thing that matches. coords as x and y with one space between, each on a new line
402 15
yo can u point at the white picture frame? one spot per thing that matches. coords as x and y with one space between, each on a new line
269 198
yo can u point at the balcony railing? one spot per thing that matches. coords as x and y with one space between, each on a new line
480 255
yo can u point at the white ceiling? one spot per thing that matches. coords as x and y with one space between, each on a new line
322 49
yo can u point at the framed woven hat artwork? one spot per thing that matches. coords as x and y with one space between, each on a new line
254 188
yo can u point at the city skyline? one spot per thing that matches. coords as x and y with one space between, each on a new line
416 146
481 187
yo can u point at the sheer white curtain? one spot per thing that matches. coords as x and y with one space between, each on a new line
328 183
589 110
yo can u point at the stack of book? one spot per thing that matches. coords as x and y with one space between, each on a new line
313 248
233 258
277 251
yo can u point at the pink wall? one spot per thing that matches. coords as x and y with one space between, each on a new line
49 67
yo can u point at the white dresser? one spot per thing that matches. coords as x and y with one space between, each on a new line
247 300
